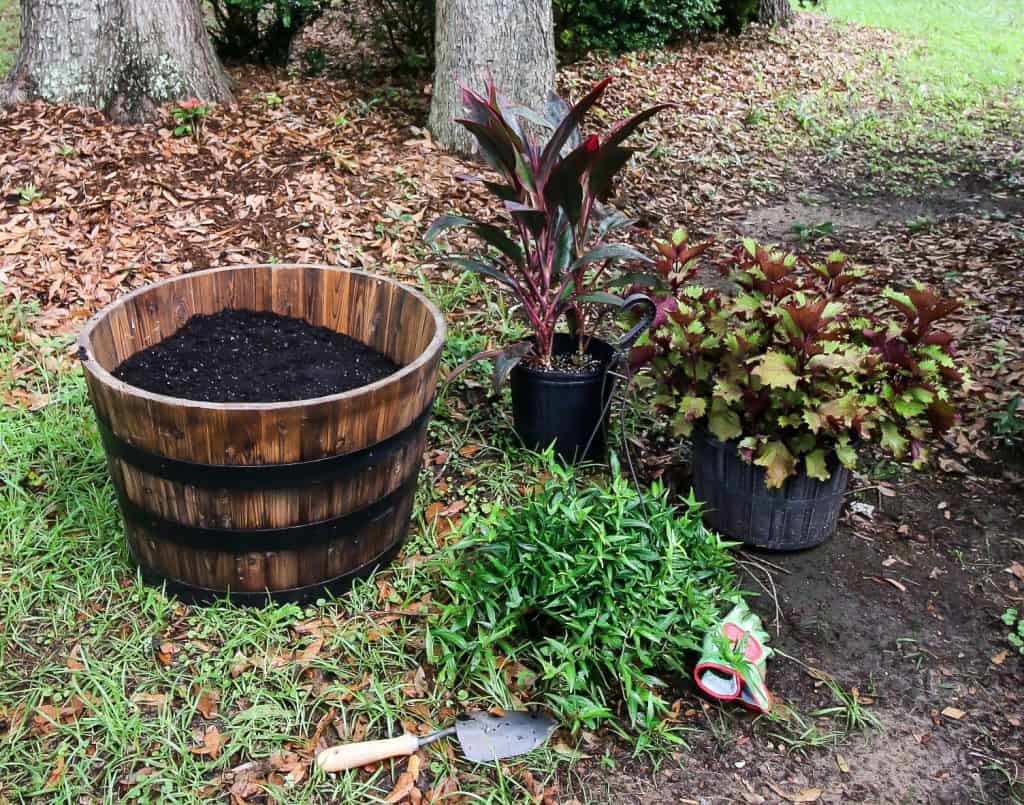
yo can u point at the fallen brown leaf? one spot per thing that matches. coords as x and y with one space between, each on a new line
406 781
150 699
56 773
213 742
206 704
804 795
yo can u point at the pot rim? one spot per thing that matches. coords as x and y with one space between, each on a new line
568 377
92 365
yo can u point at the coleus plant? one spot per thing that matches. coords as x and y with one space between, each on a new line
553 255
791 368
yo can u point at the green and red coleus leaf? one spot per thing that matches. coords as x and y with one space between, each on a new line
785 370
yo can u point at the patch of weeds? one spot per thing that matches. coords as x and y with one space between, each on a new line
599 591
316 61
272 99
1011 777
809 233
188 118
921 223
28 193
849 709
1008 422
754 116
1015 636
800 736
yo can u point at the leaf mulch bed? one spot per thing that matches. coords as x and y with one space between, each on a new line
342 171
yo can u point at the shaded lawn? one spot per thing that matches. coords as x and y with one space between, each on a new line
965 50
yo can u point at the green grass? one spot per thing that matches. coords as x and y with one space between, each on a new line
8 34
946 100
964 50
101 677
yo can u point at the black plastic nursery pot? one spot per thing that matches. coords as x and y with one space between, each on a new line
802 514
566 408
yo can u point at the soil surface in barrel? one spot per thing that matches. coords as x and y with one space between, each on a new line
246 356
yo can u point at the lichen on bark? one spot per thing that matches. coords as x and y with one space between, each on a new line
125 57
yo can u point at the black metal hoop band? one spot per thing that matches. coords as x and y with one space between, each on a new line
192 594
242 540
262 476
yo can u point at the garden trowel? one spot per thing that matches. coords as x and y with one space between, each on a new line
483 737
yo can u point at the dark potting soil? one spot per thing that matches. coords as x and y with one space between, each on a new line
570 363
245 356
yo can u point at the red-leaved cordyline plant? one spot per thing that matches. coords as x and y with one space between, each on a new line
555 258
791 368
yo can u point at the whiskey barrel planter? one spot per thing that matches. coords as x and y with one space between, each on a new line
283 500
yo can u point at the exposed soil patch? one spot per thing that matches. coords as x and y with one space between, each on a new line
244 356
802 215
901 609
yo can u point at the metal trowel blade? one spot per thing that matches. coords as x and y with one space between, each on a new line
485 737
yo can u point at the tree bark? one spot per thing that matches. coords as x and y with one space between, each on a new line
124 57
511 43
775 12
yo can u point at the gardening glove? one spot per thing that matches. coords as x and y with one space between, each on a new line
734 660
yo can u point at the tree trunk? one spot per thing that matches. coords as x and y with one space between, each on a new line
122 56
775 12
511 43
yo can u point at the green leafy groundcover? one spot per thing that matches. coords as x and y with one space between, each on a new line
600 590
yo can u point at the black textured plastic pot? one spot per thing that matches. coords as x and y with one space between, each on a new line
802 514
567 408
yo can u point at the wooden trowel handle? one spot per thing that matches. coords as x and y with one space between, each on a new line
352 756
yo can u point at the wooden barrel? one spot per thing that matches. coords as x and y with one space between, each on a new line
284 500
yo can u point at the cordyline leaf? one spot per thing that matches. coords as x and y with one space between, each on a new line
778 463
499 155
524 172
502 191
484 268
502 357
626 280
564 187
601 298
610 251
564 245
606 166
506 360
534 219
775 371
489 233
613 222
475 105
624 129
528 114
569 124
